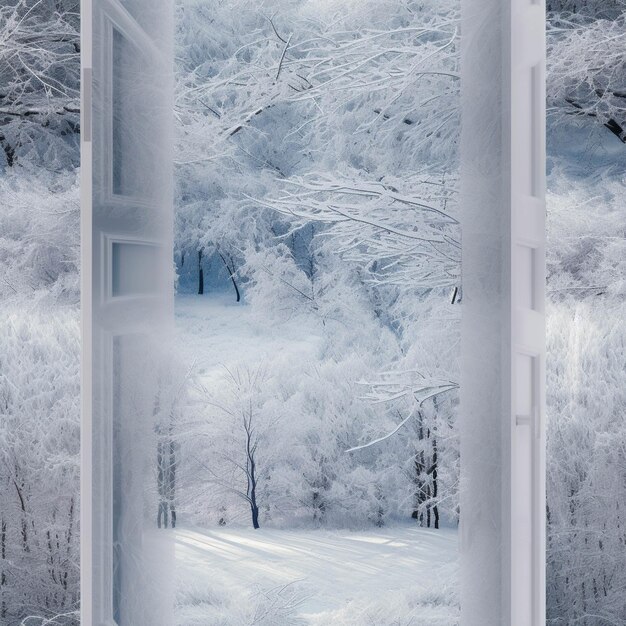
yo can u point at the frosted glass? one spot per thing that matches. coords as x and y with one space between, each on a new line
127 309
134 269
134 139
525 286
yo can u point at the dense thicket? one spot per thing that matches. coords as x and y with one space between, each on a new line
39 447
39 83
39 332
586 293
586 383
593 9
587 67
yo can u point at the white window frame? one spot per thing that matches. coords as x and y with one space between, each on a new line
503 320
528 329
108 218
505 41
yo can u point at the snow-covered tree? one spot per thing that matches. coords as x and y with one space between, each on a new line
40 241
231 439
586 356
40 78
379 104
587 68
595 9
39 468
317 166
587 469
39 331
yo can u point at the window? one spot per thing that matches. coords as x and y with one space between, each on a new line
325 183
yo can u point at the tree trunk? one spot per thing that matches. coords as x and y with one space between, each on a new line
380 510
254 507
320 487
255 516
69 539
20 495
200 274
3 575
251 476
435 485
171 487
162 515
426 508
231 273
166 468
9 151
428 505
166 483
162 512
420 470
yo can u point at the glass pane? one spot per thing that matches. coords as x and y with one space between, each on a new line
131 294
139 565
318 311
134 147
134 268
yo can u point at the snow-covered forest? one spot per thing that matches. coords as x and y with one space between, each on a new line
318 256
318 307
306 197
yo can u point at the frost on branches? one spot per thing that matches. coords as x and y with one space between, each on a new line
317 179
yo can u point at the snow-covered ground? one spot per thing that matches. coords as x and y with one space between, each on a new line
235 576
399 575
216 331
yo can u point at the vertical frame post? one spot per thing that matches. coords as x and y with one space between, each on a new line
86 293
503 327
527 312
127 304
